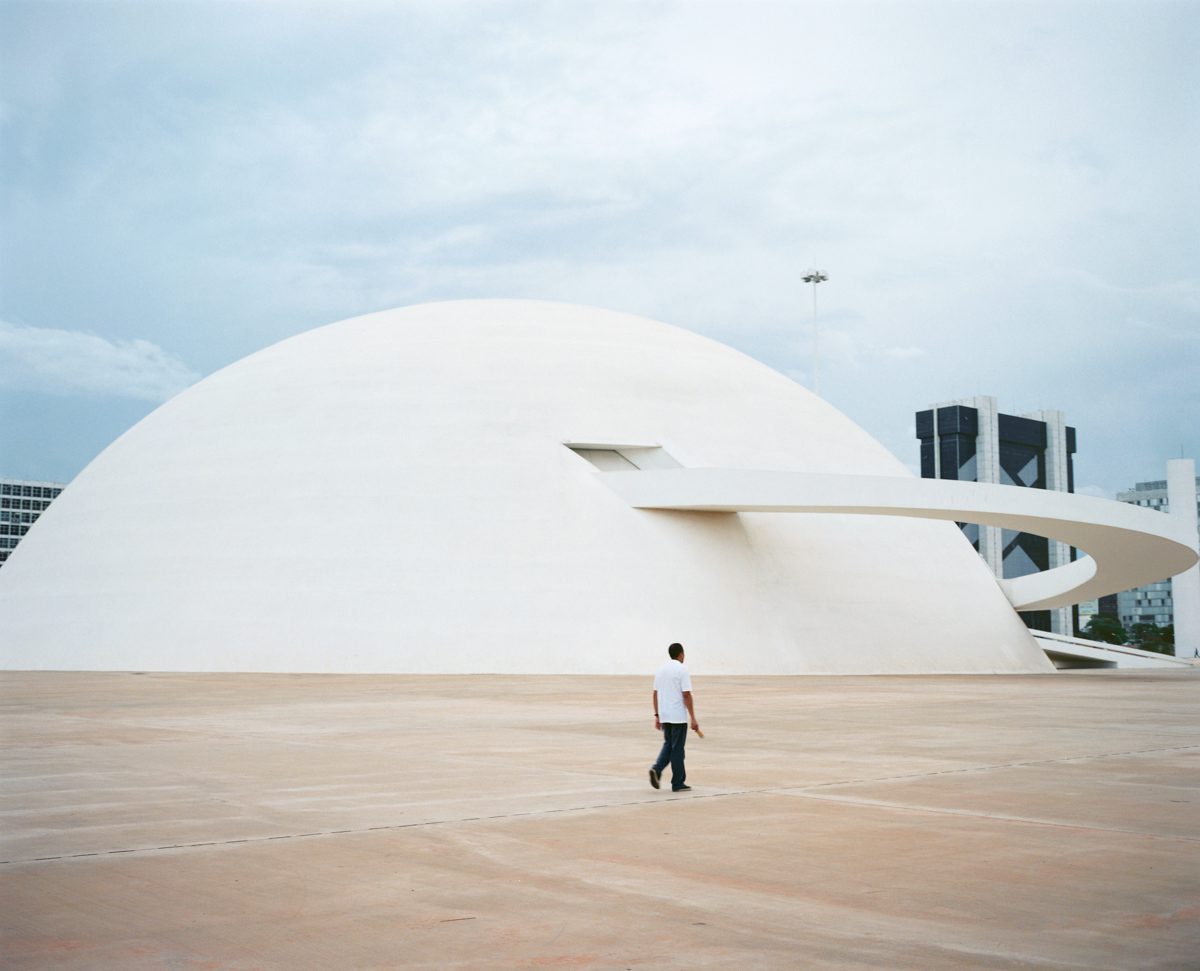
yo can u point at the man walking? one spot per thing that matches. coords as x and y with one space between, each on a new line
673 708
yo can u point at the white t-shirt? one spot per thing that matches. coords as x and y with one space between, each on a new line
671 681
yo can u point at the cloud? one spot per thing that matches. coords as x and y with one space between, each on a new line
1002 196
72 362
903 353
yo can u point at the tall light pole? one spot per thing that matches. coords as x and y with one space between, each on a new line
814 277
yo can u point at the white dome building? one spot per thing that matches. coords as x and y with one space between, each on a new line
397 493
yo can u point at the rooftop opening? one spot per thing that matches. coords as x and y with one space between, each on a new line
608 457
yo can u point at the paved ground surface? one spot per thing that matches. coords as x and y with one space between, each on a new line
267 821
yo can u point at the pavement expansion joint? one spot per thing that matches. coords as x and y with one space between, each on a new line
981 814
371 829
807 791
994 765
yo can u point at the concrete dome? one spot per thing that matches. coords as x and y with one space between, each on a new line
395 493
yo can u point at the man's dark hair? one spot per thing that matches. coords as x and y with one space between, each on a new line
675 650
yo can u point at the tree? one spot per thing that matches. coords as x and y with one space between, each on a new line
1106 628
1151 637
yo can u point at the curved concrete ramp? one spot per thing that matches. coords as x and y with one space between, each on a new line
1080 652
1128 546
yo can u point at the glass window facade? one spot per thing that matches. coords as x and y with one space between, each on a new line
21 503
1152 604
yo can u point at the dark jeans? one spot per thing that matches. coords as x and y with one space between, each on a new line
674 739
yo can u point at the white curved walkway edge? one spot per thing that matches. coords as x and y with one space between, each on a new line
1128 546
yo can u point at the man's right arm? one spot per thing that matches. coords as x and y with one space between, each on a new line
687 700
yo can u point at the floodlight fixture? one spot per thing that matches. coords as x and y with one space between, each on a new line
814 277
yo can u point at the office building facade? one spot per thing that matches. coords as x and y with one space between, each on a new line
969 439
21 503
1152 604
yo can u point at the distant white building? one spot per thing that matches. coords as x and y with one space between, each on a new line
1153 604
21 503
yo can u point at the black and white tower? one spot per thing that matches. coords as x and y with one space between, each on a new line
969 439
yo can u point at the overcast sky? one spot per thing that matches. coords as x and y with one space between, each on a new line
1004 196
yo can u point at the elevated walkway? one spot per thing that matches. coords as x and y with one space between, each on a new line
1078 652
1127 545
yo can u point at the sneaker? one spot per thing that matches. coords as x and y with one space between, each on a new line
654 776
682 789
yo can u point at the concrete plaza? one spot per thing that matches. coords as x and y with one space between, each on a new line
344 821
